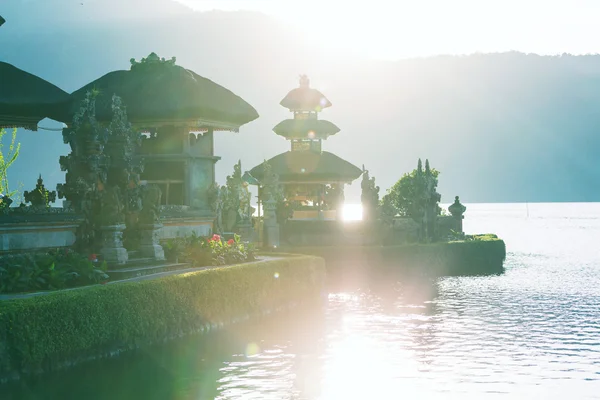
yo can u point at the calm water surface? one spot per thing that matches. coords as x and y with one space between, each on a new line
533 332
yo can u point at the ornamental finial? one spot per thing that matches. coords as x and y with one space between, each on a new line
304 81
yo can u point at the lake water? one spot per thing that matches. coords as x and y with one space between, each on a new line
531 333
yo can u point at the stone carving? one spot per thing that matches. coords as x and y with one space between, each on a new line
150 205
216 197
149 223
457 210
40 196
101 157
271 188
271 226
112 249
111 207
236 198
427 208
5 203
369 197
109 218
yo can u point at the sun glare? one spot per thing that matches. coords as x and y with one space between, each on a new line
370 30
352 212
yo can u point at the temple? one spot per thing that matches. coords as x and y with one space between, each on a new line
313 180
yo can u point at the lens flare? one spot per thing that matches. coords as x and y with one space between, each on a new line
276 275
252 349
311 134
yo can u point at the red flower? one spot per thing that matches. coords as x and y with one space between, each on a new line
216 238
230 242
93 257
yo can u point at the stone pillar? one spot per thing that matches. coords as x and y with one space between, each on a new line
457 210
112 250
339 212
149 241
270 227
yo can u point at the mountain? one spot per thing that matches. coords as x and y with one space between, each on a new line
504 127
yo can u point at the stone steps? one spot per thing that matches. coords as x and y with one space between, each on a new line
141 267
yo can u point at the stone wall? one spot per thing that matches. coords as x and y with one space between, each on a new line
180 221
327 233
447 224
37 231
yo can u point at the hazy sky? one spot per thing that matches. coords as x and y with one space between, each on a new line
406 28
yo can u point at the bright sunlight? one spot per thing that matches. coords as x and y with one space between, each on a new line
409 28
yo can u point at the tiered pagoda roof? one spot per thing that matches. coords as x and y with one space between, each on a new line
306 129
310 166
306 162
305 98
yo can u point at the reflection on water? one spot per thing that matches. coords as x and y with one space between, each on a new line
533 332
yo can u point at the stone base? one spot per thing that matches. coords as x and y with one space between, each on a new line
246 232
153 251
149 242
117 255
271 239
112 250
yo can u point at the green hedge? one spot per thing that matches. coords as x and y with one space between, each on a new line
45 332
478 255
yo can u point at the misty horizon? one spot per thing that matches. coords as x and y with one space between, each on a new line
500 126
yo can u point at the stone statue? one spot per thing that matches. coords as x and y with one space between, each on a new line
369 196
216 197
150 205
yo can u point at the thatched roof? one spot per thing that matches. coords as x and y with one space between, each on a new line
25 99
156 91
309 166
306 129
305 98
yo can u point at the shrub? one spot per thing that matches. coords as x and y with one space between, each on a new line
56 269
200 251
476 255
43 332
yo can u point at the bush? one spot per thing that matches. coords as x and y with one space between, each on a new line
200 251
44 332
56 269
476 255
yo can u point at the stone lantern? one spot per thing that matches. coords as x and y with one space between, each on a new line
457 210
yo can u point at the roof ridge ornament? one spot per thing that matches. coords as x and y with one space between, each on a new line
152 59
304 81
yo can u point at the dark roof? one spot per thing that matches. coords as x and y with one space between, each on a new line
156 91
305 98
25 99
309 166
302 129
